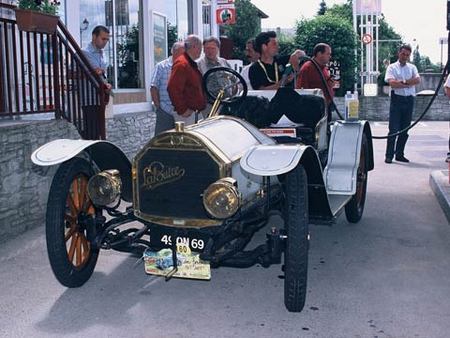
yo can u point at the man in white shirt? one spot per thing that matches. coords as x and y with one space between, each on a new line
252 56
402 76
94 52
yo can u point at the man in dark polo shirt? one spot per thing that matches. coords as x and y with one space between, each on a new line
185 82
267 72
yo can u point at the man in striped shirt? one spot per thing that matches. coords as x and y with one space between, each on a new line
160 96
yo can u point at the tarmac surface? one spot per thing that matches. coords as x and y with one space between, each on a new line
387 276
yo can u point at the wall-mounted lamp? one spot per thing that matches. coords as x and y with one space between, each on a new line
84 25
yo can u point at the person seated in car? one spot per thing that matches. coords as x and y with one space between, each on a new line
309 76
267 72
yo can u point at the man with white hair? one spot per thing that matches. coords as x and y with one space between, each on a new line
160 96
185 82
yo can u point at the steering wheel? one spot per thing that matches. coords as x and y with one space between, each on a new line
226 79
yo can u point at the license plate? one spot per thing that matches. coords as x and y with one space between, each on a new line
164 238
274 132
189 264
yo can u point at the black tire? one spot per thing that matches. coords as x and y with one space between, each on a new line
71 255
297 242
355 207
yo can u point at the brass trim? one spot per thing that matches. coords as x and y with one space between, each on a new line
189 140
215 108
179 223
231 184
176 141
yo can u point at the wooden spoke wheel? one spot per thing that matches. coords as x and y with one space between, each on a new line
69 208
78 205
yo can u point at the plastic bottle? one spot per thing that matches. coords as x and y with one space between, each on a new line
351 106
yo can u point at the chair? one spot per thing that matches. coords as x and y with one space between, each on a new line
236 64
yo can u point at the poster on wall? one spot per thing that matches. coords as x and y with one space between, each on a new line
226 16
159 37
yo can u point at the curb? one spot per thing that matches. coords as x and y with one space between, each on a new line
439 183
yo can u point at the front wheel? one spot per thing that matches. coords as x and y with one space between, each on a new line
355 207
71 255
296 228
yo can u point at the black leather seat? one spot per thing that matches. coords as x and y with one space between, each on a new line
304 110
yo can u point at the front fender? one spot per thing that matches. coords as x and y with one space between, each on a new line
271 160
105 155
344 155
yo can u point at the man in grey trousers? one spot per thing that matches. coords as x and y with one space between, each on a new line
159 93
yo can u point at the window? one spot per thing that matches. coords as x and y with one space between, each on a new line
179 14
122 53
206 13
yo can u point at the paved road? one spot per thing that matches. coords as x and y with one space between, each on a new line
387 276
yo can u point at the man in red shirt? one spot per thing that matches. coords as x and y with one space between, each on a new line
309 77
185 82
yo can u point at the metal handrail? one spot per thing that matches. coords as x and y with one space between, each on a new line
48 73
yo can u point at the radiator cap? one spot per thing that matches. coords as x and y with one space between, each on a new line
179 126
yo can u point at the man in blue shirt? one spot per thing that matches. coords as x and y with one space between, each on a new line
94 51
160 96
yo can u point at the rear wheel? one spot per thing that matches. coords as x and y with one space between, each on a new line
355 207
71 255
296 252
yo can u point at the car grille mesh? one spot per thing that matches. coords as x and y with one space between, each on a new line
171 182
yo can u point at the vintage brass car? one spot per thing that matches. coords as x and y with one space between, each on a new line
200 192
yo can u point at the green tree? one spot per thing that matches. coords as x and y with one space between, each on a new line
128 55
322 8
343 11
424 64
417 59
248 25
286 44
389 43
336 32
172 35
389 40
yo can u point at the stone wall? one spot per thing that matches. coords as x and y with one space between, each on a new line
377 108
24 186
130 131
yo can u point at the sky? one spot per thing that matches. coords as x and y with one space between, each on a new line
422 20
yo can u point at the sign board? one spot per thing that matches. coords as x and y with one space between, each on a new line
370 7
443 41
159 37
226 16
334 67
225 2
366 39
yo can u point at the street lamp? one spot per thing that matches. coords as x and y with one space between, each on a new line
84 25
